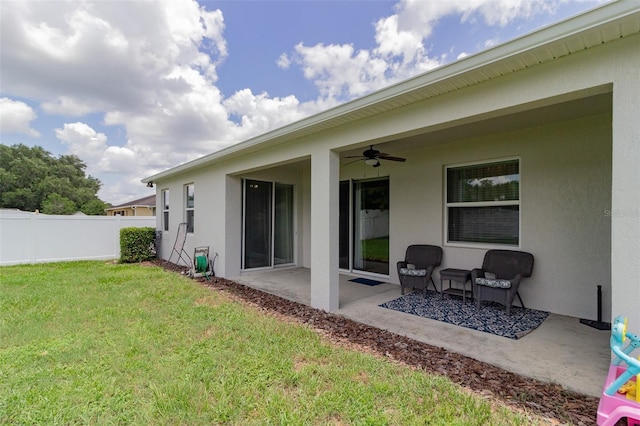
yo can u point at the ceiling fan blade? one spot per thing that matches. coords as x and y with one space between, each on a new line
391 158
351 162
354 156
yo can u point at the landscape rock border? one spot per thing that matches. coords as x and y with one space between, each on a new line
549 400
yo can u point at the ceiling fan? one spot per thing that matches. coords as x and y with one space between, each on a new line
372 157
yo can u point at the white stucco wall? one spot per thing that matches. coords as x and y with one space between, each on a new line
625 203
218 210
566 177
565 191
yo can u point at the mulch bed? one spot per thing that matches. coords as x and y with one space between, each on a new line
552 401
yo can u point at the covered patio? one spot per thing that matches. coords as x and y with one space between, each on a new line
561 350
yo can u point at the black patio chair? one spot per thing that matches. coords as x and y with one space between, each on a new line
417 267
499 278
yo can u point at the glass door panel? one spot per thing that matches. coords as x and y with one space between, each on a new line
283 225
371 226
344 225
257 224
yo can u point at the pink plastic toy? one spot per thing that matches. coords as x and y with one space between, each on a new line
621 393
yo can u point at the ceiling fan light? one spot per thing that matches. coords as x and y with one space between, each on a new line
372 162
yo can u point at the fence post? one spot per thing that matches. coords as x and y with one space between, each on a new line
32 238
116 247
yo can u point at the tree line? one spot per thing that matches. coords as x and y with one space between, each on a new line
31 179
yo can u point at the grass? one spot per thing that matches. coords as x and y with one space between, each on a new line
376 249
100 343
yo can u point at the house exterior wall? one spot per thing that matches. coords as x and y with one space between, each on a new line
625 201
565 172
211 224
218 210
572 173
132 211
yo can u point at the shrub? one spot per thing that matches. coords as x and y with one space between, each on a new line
137 244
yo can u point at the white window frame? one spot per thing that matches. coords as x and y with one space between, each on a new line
447 205
164 199
187 208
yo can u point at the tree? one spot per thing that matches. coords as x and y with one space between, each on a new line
57 204
29 177
94 207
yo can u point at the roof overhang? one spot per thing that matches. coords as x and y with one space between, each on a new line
592 28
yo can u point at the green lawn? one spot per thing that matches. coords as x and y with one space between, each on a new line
102 343
376 249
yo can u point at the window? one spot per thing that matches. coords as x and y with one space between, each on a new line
483 203
189 206
165 209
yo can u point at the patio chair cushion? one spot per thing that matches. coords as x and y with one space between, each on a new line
495 283
413 272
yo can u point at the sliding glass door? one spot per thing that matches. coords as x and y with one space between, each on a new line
345 225
268 224
283 225
364 228
257 224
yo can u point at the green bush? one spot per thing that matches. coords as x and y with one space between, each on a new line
137 244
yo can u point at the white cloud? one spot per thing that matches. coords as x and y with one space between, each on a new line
394 41
257 114
16 117
421 16
106 56
65 105
342 72
151 68
124 190
125 162
84 142
339 71
117 159
283 62
490 43
501 12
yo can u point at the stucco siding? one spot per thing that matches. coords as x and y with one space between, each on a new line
571 122
565 191
625 204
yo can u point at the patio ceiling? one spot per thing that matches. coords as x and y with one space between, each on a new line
581 105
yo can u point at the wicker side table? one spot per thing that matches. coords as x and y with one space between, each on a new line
462 276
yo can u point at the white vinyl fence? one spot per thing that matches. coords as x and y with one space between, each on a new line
37 238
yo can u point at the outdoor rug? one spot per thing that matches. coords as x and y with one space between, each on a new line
490 318
366 281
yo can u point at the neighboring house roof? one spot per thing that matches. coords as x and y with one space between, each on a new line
149 201
592 28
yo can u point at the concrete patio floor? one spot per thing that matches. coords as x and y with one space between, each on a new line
561 350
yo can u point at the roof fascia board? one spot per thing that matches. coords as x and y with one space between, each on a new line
589 20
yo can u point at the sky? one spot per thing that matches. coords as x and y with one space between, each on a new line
134 88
